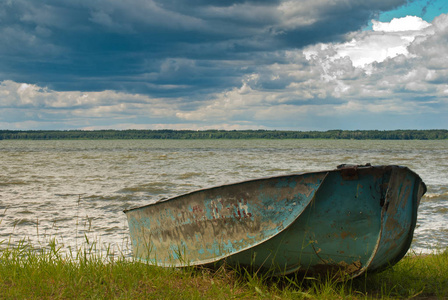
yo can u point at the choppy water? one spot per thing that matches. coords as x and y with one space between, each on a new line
71 190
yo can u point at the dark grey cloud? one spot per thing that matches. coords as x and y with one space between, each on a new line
163 47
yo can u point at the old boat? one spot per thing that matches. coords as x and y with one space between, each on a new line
353 219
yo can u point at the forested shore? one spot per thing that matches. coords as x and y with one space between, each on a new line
433 134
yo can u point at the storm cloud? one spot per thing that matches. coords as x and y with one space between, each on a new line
162 47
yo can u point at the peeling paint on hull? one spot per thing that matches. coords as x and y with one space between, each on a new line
352 219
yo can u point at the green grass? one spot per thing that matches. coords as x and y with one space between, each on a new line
47 273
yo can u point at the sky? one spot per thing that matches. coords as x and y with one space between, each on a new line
233 65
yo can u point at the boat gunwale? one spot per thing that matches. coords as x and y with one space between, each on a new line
339 168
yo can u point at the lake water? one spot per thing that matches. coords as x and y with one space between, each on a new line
73 190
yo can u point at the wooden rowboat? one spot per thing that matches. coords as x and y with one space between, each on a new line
353 219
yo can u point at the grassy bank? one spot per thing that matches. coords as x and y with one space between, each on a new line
27 273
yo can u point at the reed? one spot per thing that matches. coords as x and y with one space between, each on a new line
27 272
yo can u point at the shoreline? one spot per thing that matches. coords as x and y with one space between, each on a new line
430 134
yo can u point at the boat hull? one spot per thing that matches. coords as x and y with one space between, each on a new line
349 219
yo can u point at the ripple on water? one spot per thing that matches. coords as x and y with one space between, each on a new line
441 210
153 188
435 196
189 175
23 222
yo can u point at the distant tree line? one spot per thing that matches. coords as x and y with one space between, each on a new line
435 134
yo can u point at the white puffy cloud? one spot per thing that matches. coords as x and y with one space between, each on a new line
388 40
31 104
408 23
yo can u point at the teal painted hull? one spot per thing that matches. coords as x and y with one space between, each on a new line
351 219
